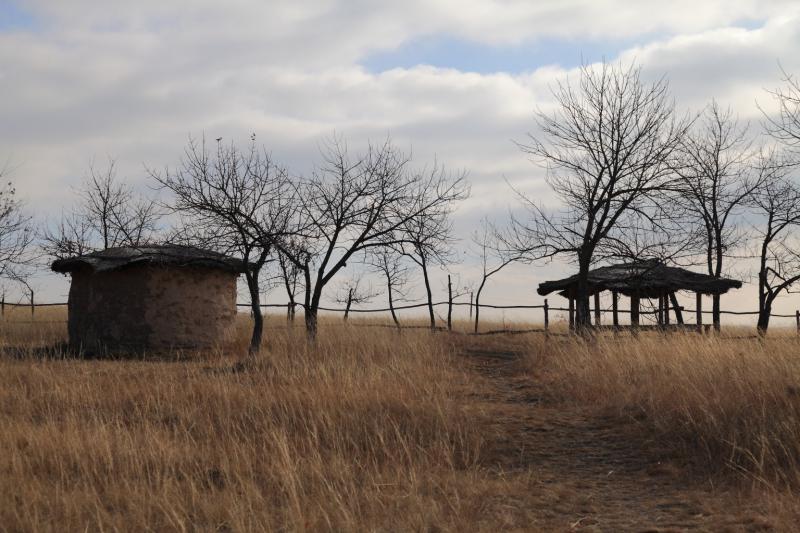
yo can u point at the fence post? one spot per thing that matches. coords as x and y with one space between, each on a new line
3 305
546 315
797 320
597 308
571 313
449 304
32 304
471 295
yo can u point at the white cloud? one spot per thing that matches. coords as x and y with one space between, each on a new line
92 79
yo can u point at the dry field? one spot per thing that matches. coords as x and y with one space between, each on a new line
375 430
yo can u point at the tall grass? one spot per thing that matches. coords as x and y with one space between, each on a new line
363 432
726 403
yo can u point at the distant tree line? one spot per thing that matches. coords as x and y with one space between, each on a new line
635 179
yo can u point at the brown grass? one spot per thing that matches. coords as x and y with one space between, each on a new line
371 430
729 403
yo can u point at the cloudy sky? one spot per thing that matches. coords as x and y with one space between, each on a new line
453 79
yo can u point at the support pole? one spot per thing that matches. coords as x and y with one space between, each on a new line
33 307
471 296
666 310
634 310
546 315
660 312
797 320
678 309
699 312
614 308
597 309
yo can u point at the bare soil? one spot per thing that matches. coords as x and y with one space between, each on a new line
591 472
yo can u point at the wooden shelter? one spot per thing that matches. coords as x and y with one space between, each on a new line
642 279
150 298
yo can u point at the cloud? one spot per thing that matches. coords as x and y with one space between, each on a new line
86 79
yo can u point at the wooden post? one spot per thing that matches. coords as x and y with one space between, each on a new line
571 313
471 295
614 308
449 304
33 307
699 312
797 320
634 310
666 310
660 311
546 315
3 305
597 308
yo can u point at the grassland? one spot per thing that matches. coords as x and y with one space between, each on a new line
373 429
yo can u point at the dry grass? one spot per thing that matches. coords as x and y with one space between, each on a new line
372 430
365 432
728 403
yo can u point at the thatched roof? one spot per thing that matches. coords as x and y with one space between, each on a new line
172 255
649 278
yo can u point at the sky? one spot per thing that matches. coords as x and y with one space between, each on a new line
457 81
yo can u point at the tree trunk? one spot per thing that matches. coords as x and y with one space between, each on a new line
349 303
255 310
478 303
715 314
311 323
764 315
428 291
583 320
310 306
391 304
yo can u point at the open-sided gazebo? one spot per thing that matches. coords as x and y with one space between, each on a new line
641 279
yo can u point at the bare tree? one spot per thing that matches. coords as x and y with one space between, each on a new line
16 235
389 264
492 257
717 177
785 125
353 292
777 204
109 214
235 201
290 277
428 240
70 236
606 150
357 203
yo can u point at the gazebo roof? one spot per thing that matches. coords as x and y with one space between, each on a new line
649 278
161 255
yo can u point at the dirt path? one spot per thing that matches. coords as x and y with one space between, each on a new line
588 474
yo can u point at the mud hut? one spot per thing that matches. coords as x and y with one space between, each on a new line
643 279
150 298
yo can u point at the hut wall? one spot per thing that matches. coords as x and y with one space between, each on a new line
107 309
190 307
151 308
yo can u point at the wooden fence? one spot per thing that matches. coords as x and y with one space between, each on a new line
546 308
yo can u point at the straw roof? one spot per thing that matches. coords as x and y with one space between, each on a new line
650 278
158 255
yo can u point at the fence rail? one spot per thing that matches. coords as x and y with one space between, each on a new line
547 309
